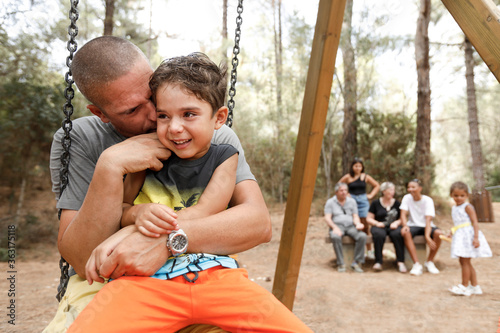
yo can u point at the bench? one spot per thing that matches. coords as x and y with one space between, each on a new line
348 249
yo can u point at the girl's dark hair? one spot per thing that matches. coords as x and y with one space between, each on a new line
356 160
459 186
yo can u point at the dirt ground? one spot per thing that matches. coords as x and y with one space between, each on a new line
327 301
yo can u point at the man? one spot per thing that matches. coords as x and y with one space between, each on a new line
341 215
417 212
113 74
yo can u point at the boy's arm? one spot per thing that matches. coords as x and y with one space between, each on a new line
131 187
217 194
428 230
151 219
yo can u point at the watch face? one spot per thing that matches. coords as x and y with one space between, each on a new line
179 242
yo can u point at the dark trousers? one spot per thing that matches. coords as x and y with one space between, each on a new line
378 236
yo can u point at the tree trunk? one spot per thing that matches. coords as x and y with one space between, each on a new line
326 154
20 202
108 19
475 141
278 51
349 140
150 31
423 168
224 32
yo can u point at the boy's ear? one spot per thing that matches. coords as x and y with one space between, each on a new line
220 117
96 111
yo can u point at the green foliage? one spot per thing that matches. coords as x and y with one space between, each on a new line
386 142
29 115
493 179
272 161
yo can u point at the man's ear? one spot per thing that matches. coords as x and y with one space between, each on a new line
220 117
96 111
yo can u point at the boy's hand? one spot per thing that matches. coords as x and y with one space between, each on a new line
430 242
155 219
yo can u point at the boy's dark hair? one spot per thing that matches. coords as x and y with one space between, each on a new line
459 186
195 73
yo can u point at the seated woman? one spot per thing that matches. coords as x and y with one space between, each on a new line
383 216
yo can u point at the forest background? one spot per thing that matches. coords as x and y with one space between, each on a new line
378 39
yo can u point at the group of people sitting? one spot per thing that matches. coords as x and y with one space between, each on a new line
349 213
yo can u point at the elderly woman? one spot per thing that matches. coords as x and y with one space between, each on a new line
384 217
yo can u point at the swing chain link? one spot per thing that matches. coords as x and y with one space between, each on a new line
234 63
67 126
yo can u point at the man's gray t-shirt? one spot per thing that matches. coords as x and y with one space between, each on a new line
341 215
89 138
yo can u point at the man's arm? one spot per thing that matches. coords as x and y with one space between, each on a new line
243 226
329 221
99 216
357 222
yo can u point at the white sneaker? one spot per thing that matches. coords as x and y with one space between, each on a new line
475 290
431 267
370 255
460 290
417 269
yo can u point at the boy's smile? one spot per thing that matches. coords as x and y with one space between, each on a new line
185 124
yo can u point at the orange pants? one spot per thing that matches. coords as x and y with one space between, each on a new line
221 297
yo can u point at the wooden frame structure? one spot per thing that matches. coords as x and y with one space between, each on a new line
479 20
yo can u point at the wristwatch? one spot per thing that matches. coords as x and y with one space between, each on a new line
177 242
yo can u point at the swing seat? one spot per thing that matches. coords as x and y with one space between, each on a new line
201 328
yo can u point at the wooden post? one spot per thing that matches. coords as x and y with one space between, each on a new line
480 21
308 148
481 200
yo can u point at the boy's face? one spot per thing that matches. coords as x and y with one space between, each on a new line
414 189
185 124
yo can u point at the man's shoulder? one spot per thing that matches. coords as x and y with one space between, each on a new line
223 134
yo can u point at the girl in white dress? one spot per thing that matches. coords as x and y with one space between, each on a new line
468 241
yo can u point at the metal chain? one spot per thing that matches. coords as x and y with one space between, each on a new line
234 62
67 125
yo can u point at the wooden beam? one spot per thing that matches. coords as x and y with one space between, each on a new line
480 21
308 147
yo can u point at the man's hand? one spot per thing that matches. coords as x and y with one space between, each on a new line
360 226
136 255
101 253
337 232
136 154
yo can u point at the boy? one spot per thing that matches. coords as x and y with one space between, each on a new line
193 288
